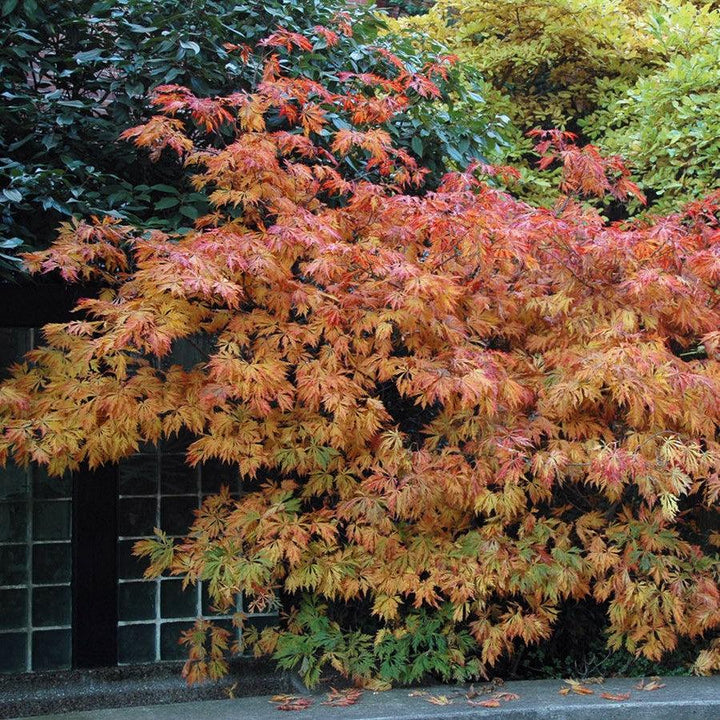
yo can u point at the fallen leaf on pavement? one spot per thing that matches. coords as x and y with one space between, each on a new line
564 691
495 700
612 696
438 700
578 688
295 703
343 698
653 684
484 703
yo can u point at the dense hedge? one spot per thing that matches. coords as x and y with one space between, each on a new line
668 124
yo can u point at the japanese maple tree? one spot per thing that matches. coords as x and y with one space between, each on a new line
452 412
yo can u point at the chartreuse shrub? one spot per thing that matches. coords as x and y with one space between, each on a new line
555 59
542 59
639 79
668 125
454 413
73 75
545 55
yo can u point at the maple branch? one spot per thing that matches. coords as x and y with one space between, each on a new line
197 347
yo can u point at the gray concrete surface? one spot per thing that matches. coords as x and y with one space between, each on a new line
682 698
34 694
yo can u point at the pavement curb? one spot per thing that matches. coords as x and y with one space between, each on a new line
43 693
681 698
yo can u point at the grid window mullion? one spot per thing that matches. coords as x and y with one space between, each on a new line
35 602
155 635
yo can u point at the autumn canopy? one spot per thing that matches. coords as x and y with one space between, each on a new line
453 412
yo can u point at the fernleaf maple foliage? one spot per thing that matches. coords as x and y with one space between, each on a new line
452 411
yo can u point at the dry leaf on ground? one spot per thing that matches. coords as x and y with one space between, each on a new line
615 696
577 687
493 701
484 703
439 700
343 698
291 702
652 684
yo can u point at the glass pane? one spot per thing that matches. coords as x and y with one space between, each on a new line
13 609
147 448
138 475
51 606
176 602
176 514
13 657
50 487
226 625
136 643
52 564
216 473
136 516
176 444
176 476
170 648
136 601
13 522
129 566
262 621
13 565
51 649
51 520
14 483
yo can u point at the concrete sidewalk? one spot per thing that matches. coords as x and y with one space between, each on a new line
682 698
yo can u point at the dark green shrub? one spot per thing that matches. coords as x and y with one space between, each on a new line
74 75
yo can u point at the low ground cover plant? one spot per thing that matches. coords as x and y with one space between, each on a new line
454 413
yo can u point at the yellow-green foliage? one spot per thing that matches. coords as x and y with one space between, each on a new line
640 79
545 54
668 126
548 56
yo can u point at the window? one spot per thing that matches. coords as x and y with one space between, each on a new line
158 489
35 555
71 592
